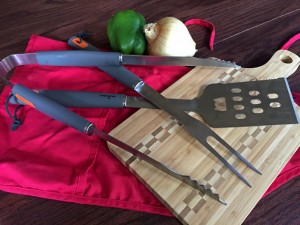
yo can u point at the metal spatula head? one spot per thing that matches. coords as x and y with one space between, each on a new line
253 103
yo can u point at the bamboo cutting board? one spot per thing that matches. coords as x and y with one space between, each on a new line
159 136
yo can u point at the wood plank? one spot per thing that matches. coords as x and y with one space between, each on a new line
60 19
20 20
267 147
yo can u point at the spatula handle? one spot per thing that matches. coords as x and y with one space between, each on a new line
51 108
81 99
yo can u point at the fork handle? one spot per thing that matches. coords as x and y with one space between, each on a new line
119 73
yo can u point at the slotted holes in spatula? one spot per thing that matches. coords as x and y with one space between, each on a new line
238 106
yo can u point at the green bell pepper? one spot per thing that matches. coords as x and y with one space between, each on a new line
125 32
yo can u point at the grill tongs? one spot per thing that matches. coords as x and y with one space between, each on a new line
91 57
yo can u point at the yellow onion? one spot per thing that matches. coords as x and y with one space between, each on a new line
169 37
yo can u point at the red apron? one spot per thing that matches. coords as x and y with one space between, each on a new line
47 159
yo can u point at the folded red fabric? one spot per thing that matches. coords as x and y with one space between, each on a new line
47 159
292 168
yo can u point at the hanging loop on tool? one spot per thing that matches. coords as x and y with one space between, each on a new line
84 35
16 121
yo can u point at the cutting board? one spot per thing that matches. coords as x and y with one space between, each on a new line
158 135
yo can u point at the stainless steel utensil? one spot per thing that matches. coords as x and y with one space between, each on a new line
194 127
252 103
62 114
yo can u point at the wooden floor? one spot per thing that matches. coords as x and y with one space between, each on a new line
247 32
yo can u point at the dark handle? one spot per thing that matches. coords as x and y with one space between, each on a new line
81 99
119 73
51 108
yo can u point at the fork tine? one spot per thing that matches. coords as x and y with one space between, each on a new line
216 154
237 154
201 133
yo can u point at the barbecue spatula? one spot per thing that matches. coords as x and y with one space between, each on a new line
252 103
